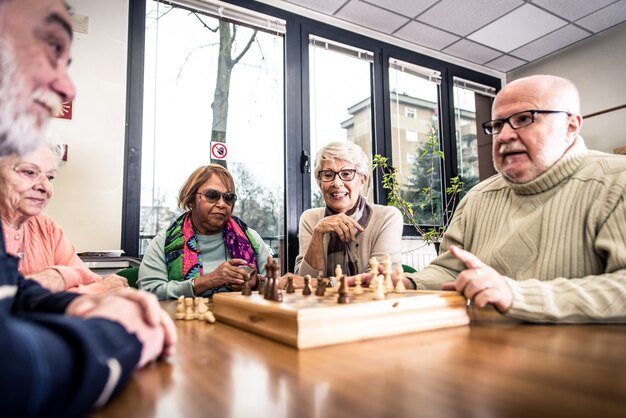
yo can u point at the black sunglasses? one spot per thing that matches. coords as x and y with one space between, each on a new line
212 196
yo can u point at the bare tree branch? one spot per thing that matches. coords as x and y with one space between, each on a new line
214 30
246 48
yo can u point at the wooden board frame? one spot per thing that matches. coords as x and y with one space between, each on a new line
313 321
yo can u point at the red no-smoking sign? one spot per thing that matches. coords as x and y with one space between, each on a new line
219 151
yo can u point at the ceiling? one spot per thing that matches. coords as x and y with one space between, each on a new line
498 34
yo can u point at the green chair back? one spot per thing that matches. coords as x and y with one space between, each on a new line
408 269
131 274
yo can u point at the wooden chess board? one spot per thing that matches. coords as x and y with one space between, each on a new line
312 321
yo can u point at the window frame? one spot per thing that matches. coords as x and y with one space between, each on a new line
297 124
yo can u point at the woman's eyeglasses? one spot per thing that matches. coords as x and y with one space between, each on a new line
213 196
329 175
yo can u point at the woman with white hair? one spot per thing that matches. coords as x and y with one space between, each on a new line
46 254
348 231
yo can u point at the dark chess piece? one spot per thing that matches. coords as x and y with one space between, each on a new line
269 266
269 288
246 290
344 295
321 286
290 287
277 294
306 291
261 284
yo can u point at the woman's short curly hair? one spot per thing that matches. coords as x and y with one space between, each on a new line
187 194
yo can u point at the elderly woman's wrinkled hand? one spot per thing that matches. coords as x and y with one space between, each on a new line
298 281
229 273
342 224
113 281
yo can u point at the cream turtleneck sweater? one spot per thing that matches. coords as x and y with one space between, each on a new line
559 240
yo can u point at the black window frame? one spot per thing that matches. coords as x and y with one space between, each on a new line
297 124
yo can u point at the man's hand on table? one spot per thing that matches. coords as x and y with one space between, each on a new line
480 283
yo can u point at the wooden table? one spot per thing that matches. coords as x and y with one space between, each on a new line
493 368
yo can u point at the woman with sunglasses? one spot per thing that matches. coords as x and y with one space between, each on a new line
206 249
349 230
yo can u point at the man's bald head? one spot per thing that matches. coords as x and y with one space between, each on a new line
544 91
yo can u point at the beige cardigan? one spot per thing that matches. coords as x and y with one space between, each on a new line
383 235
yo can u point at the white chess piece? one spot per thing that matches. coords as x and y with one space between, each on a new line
338 276
180 308
358 289
373 271
379 293
189 315
387 273
400 287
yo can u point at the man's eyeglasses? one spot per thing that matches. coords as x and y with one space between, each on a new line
213 196
329 175
516 120
32 173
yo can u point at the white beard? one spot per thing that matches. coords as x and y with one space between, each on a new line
19 133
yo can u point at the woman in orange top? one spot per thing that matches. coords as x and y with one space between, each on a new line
46 255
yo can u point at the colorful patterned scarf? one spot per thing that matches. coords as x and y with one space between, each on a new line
338 251
182 251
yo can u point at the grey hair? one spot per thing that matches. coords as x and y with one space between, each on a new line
57 151
346 151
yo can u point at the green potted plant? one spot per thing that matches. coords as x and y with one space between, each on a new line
438 215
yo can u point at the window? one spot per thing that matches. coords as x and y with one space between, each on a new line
468 97
297 87
411 135
340 100
191 102
416 88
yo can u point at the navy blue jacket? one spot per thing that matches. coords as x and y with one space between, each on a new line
51 364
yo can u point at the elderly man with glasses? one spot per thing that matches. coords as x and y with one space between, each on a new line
544 240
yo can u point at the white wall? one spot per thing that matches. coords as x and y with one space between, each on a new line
597 67
88 189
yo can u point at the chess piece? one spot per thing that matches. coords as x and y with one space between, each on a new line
306 291
180 308
344 295
400 287
278 294
246 290
270 285
209 317
379 292
374 272
189 315
264 281
321 286
358 288
201 307
338 275
196 306
290 287
387 274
